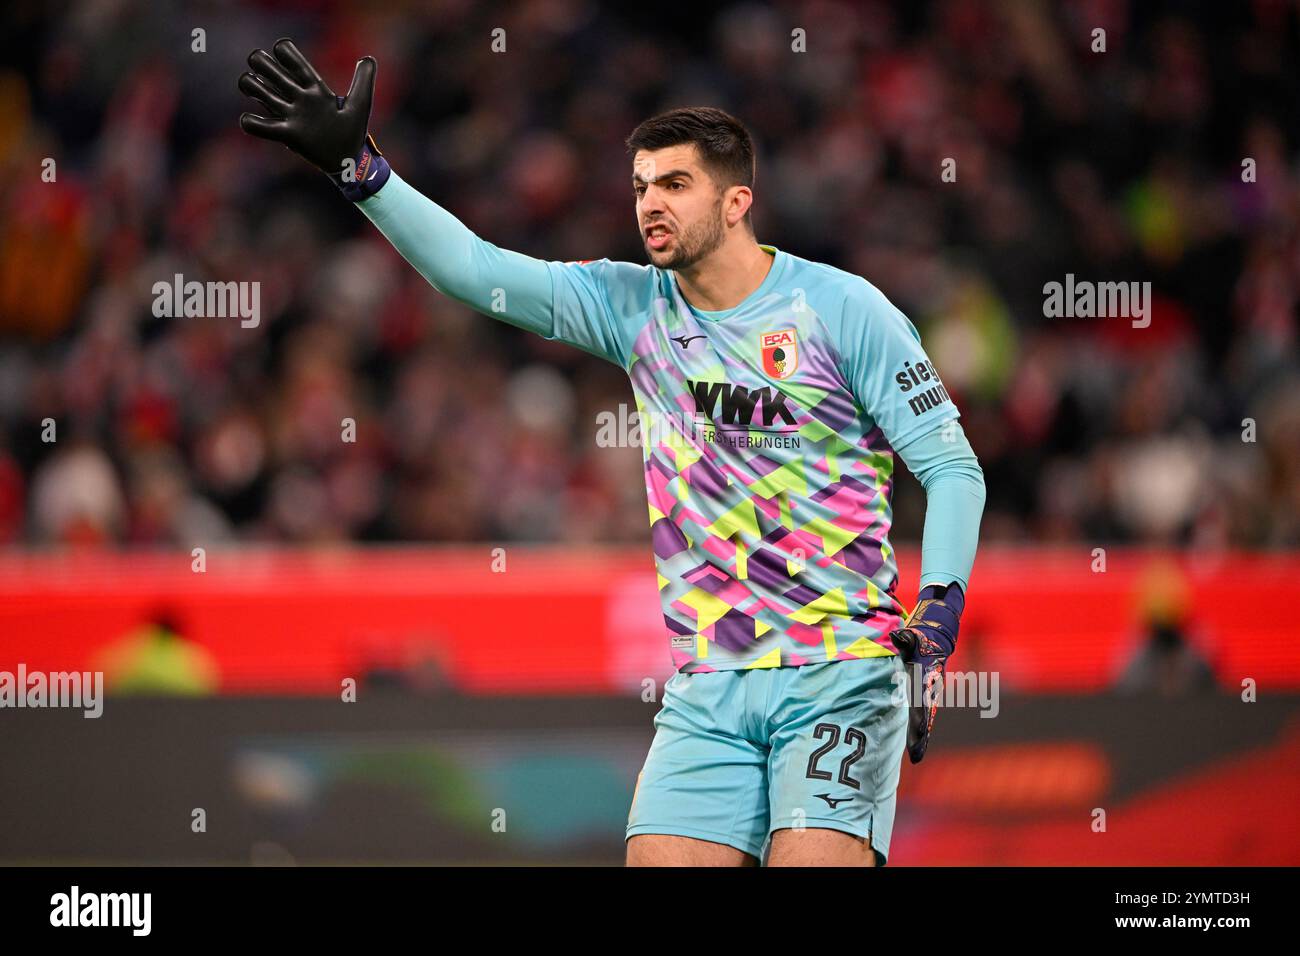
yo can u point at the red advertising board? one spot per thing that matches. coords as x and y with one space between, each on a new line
559 620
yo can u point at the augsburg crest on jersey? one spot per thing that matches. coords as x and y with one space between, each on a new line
780 353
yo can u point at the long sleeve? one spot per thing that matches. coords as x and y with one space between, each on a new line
945 464
563 301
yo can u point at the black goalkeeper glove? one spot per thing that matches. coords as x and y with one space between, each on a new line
924 642
329 131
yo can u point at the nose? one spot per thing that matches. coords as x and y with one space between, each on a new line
652 201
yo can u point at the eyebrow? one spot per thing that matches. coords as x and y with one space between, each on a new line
638 178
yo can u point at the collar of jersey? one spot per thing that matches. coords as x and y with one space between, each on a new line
773 275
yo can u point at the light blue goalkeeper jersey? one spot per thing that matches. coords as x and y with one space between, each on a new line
768 431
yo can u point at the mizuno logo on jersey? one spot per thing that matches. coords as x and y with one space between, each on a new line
832 802
739 403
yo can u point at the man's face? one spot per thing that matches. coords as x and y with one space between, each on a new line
678 206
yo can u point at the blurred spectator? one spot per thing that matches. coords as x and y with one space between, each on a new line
1167 663
157 660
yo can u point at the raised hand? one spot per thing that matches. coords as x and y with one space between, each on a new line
304 114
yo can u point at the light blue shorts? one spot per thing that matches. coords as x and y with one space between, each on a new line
739 754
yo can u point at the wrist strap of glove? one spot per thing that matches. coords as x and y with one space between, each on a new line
950 594
369 173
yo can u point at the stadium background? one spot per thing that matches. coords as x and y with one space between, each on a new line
477 503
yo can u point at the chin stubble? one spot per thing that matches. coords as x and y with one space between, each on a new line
697 241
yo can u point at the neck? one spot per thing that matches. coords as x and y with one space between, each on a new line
726 277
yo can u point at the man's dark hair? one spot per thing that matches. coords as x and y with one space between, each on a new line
726 150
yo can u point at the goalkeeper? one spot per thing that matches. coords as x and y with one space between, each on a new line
774 393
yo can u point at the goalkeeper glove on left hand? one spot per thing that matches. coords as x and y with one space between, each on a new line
327 130
924 642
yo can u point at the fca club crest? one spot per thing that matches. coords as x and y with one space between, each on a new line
780 353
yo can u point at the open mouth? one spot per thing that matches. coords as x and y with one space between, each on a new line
657 237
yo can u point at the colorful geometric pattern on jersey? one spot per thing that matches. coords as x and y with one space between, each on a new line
768 434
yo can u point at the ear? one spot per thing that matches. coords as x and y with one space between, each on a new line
737 201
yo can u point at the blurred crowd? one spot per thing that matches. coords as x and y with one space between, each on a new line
1123 164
